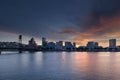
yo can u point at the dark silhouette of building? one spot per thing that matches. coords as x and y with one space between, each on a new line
44 42
20 43
92 45
112 43
32 43
59 45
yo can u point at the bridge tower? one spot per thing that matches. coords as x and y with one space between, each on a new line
20 43
20 39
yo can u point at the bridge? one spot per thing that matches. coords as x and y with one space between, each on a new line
19 49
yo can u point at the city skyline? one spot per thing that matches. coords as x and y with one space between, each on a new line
77 21
58 46
112 43
39 40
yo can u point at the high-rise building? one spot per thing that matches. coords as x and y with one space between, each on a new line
74 44
112 43
32 43
51 45
92 44
59 45
44 42
68 45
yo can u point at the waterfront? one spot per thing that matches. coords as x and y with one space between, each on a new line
60 66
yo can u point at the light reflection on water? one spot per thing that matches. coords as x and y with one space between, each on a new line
60 66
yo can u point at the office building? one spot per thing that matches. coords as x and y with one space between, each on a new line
51 45
92 44
112 43
74 44
59 45
44 42
68 46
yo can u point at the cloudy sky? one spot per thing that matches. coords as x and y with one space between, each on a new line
68 20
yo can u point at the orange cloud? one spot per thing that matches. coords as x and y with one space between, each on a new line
105 29
107 24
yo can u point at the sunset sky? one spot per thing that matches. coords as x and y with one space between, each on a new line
68 20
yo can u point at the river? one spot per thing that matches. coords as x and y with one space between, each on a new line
60 66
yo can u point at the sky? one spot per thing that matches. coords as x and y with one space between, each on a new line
77 21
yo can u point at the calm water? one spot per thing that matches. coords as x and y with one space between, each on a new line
60 66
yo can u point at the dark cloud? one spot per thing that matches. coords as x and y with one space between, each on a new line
104 9
100 16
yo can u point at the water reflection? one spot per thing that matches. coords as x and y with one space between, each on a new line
60 66
100 66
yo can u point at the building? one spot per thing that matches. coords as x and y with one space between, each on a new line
92 44
68 46
59 45
112 43
51 45
9 45
32 43
44 42
74 44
